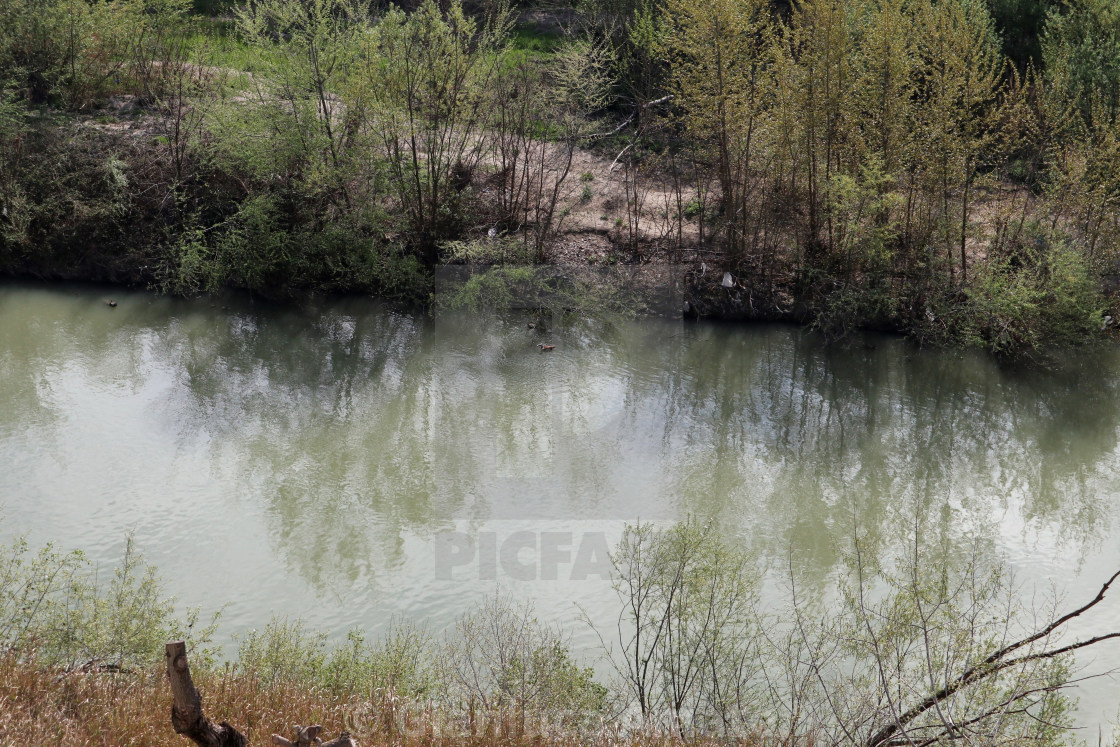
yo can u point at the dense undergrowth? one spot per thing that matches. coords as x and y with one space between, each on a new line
944 168
929 646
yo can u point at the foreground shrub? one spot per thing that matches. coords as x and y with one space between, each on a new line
56 610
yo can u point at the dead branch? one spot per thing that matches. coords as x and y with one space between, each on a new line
628 120
186 710
993 664
308 736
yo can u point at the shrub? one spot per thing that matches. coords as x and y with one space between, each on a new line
510 664
55 608
1042 297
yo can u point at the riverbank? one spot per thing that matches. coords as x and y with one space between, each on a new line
338 461
191 154
102 206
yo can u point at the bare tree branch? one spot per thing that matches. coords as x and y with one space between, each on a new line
993 664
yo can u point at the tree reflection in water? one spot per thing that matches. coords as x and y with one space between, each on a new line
348 435
355 424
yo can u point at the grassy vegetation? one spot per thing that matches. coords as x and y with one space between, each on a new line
529 39
216 42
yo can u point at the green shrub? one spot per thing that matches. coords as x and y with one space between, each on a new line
1042 297
693 208
509 663
265 248
287 653
56 608
1081 48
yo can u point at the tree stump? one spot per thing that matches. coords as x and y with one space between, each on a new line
188 719
186 709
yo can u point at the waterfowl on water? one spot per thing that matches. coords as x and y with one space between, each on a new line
111 303
545 348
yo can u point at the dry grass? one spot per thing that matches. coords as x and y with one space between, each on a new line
42 705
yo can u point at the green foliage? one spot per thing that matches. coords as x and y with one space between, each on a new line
1081 48
853 154
254 249
721 56
426 79
929 618
33 591
687 631
641 72
605 293
126 622
693 208
309 52
1084 190
70 193
53 607
501 657
492 288
1042 297
909 639
533 41
580 76
76 53
842 308
286 652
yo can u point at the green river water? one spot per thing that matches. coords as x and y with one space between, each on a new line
345 462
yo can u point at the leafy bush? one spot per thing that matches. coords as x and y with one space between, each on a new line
77 53
55 608
911 638
1081 48
507 662
1043 297
687 632
287 653
258 248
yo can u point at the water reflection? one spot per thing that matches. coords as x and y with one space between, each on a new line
350 425
328 445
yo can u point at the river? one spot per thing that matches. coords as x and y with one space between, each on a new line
349 464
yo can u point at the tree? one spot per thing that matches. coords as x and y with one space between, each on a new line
929 646
687 648
720 55
308 50
427 77
1081 49
503 661
960 84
